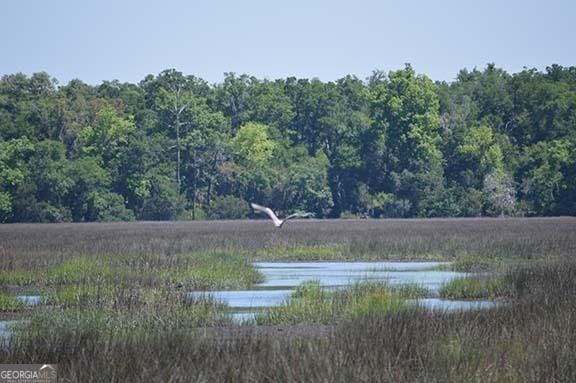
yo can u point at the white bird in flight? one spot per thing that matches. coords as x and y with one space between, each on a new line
277 221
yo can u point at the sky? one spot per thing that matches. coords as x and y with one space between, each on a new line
127 40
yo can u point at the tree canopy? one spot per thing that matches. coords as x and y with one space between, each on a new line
397 144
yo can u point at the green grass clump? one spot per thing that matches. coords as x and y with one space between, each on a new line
376 300
311 290
82 296
220 270
301 253
10 304
17 278
310 303
82 269
484 287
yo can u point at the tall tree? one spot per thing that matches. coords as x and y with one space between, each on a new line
405 109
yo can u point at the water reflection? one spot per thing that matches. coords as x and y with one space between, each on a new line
291 274
249 298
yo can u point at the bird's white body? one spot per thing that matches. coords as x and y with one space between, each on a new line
277 221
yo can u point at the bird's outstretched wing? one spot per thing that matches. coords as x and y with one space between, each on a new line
277 221
297 215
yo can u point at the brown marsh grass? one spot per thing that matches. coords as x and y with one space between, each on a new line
40 245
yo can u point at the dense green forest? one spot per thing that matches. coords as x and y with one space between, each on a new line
398 144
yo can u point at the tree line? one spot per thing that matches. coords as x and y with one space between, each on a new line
397 144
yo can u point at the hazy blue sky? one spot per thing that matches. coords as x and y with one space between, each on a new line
125 40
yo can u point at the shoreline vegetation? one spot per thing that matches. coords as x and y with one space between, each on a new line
115 306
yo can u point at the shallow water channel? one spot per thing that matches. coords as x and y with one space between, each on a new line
281 278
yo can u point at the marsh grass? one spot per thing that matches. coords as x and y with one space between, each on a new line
302 253
194 271
532 339
103 314
477 263
126 296
110 309
409 290
9 303
311 303
223 270
479 287
107 322
83 296
119 313
81 269
376 301
38 246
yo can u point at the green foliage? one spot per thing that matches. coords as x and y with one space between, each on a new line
163 201
397 145
229 207
87 180
13 155
406 112
480 146
108 206
303 183
5 206
253 145
109 133
546 178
